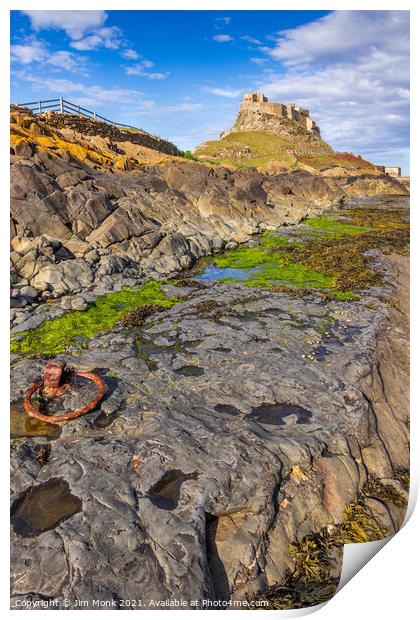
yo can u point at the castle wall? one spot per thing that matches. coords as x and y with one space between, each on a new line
258 102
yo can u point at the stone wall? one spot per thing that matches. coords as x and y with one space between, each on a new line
258 102
393 171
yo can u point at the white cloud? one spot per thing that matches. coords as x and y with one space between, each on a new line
33 51
74 23
342 34
252 40
130 54
85 29
87 94
259 60
153 108
223 92
221 21
103 37
157 76
222 38
140 70
67 61
351 69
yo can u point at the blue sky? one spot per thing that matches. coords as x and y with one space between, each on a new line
181 74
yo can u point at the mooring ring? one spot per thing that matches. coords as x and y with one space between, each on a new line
34 412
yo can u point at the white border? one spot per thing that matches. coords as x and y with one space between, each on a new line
387 586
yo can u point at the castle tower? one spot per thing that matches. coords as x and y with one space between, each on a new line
255 98
261 98
290 110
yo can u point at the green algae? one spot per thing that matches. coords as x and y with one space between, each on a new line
55 335
273 241
242 257
332 227
270 269
330 256
287 272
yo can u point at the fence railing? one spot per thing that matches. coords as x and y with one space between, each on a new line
67 107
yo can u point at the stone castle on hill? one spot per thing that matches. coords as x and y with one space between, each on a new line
258 104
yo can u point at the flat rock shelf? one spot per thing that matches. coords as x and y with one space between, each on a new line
240 422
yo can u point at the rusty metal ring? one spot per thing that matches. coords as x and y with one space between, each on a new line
34 412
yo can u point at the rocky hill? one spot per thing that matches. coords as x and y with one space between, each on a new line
99 144
262 137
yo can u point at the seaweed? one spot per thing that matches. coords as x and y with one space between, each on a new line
55 335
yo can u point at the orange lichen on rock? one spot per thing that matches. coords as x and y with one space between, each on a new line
29 134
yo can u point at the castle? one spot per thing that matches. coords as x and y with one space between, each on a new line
258 103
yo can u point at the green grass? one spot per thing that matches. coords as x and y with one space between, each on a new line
55 335
257 149
250 149
188 155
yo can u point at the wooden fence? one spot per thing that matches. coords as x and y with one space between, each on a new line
67 107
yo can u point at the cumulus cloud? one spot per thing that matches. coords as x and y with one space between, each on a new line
222 38
85 29
351 68
35 51
74 23
343 36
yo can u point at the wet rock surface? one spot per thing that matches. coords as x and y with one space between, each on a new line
236 420
222 437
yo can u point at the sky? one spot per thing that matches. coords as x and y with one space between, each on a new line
181 74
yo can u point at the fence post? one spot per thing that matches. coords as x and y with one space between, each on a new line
40 106
94 115
61 105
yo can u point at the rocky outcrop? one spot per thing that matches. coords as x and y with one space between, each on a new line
257 120
75 228
235 423
91 127
372 185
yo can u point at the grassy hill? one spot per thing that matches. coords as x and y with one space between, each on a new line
245 149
